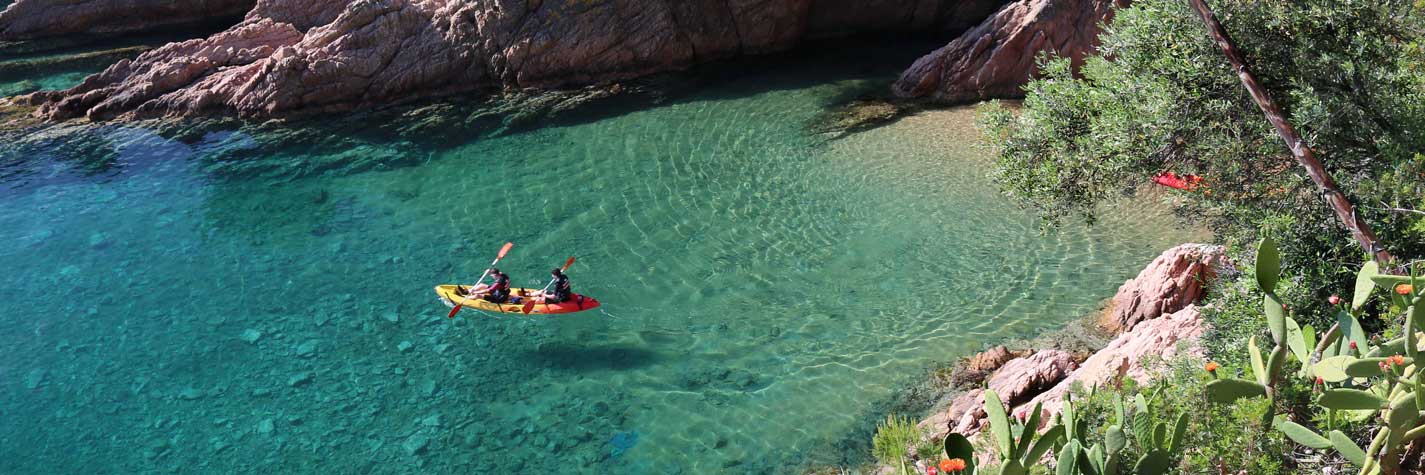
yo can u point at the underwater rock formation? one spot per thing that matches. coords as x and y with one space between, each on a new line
998 57
35 19
324 55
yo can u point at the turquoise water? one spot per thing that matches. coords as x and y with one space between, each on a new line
167 307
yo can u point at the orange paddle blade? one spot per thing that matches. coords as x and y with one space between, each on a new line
504 250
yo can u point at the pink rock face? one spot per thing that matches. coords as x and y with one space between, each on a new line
997 58
34 19
990 360
1159 311
1016 382
324 55
1174 280
1129 355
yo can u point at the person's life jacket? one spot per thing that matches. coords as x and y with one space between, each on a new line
562 289
502 284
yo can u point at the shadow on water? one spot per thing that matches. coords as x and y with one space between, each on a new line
579 358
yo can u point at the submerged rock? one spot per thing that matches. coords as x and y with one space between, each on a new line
35 378
415 444
299 379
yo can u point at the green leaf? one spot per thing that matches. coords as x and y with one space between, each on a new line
1274 365
1259 370
1179 433
1272 307
1363 285
1333 369
1012 467
1031 426
1296 340
1115 439
1348 448
1155 462
1412 319
1403 415
1140 403
1067 459
1269 264
1224 391
1047 441
1092 460
1418 312
1365 367
1344 398
1300 434
1143 429
1389 282
1160 435
1351 332
999 421
1120 414
1308 333
959 447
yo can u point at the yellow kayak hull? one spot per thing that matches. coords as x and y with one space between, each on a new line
576 303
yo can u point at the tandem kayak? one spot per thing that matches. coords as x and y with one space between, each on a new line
576 303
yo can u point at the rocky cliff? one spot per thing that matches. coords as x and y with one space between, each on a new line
996 58
35 19
305 55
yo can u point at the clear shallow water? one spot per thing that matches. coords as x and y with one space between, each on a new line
765 292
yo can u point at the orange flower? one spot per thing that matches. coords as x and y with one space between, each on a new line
1404 289
1398 360
1211 366
952 465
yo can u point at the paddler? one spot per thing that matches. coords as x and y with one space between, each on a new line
497 292
560 290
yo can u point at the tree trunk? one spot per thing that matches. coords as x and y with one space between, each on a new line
1345 211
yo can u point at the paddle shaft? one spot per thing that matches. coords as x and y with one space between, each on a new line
501 255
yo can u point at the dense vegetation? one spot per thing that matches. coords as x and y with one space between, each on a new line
1163 98
1301 381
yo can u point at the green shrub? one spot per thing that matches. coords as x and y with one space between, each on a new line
893 438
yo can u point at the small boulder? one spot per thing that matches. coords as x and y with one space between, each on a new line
415 444
299 379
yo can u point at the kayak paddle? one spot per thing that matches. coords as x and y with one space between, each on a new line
503 250
530 304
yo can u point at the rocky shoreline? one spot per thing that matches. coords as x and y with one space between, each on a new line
1152 318
301 56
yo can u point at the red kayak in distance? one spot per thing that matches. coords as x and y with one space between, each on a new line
1181 182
